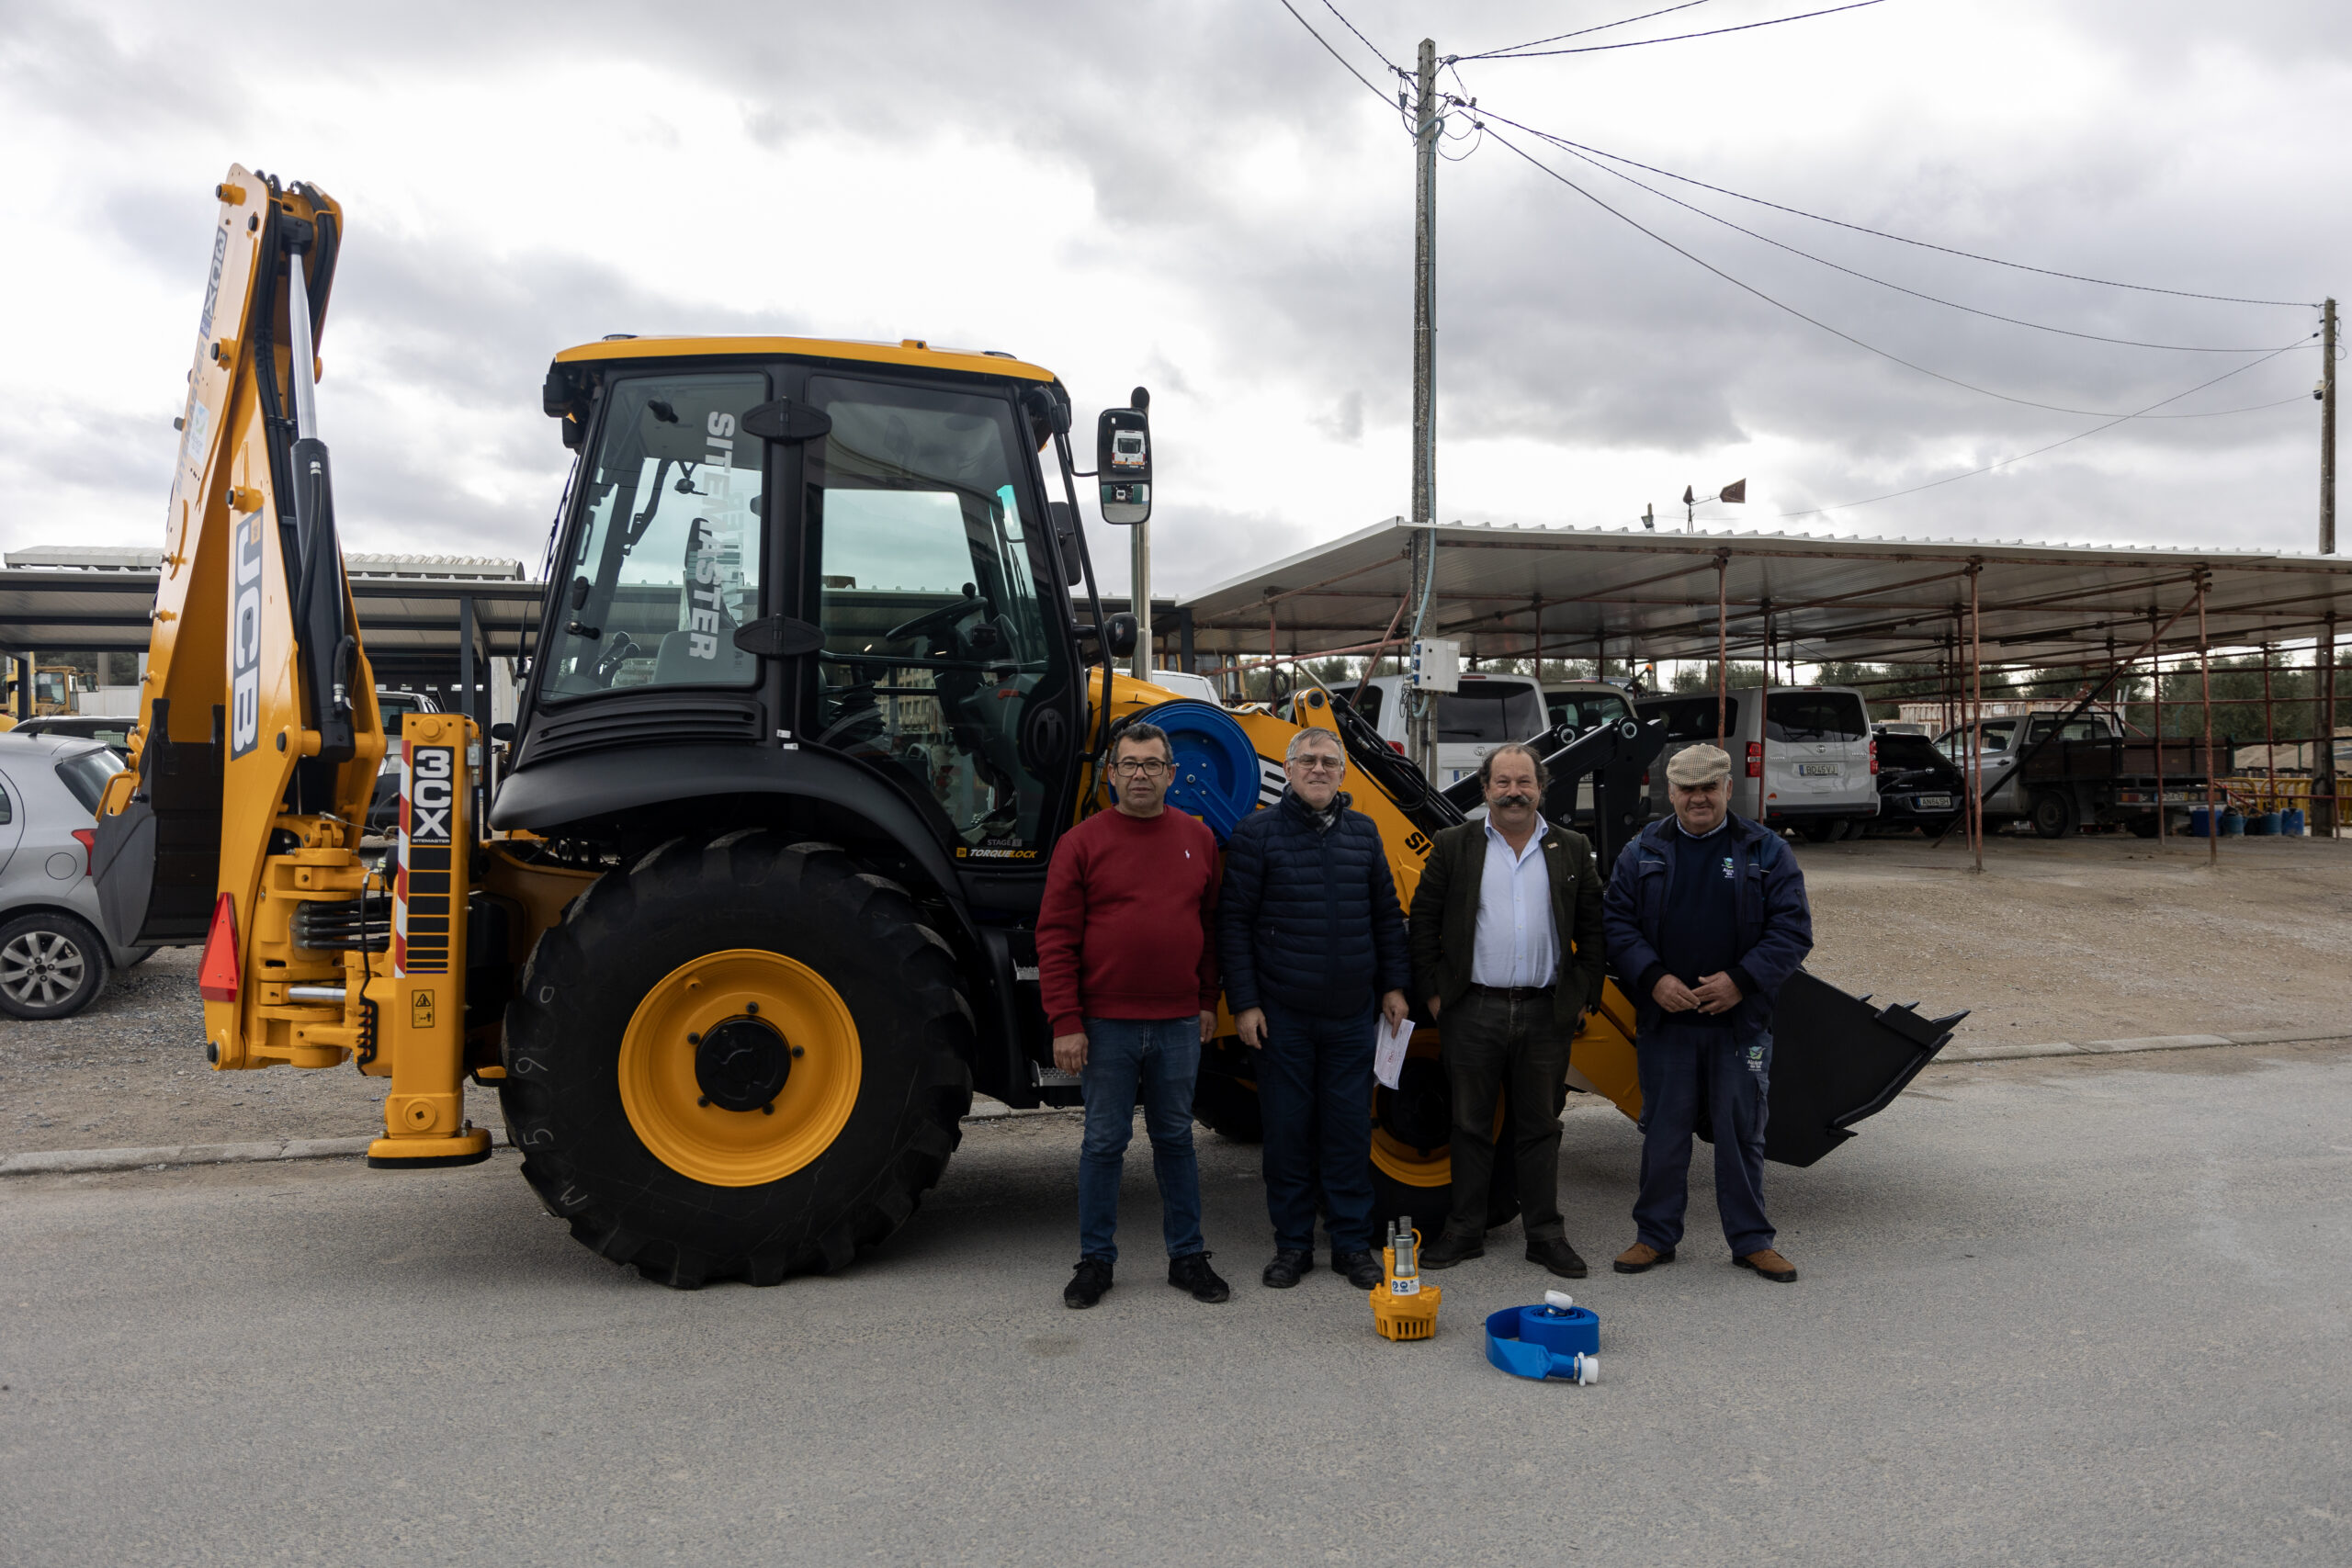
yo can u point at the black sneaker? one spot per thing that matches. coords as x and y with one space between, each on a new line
1089 1285
1554 1253
1192 1272
1362 1269
1286 1269
1450 1249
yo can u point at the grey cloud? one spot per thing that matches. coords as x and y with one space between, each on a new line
1556 322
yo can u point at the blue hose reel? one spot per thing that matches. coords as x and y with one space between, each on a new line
1558 1340
1218 774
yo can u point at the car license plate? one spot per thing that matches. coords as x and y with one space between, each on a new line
1820 770
1934 803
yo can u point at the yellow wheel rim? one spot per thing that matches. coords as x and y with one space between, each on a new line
1400 1161
739 994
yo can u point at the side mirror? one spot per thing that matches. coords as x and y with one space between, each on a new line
503 733
1119 633
1123 461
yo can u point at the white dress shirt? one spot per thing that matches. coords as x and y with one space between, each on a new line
1516 945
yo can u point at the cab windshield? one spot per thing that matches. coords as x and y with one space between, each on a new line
668 563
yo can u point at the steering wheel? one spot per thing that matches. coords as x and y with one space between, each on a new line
623 648
933 622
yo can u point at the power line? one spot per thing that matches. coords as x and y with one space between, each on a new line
1555 38
1334 53
1677 37
1360 39
1782 305
2147 412
1573 151
1929 245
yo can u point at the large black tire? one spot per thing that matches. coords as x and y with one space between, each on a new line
52 966
749 889
1418 1112
1227 1106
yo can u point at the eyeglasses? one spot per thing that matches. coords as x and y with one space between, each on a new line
1319 764
1148 767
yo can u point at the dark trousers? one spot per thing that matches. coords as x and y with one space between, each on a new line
1688 1071
1315 1095
1492 1039
1156 1060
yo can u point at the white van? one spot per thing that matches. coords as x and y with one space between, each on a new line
1808 750
1488 711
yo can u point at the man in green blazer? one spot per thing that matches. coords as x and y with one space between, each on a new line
1506 950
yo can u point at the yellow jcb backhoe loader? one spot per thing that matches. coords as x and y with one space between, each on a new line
751 912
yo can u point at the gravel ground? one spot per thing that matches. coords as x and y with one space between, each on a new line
130 1073
2088 940
2092 938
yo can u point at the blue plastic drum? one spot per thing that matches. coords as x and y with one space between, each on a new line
1217 777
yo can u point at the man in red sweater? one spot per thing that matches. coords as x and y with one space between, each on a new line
1126 958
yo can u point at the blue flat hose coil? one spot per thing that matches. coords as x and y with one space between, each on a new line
1217 777
1545 1343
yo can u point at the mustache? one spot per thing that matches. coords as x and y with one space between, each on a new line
1514 799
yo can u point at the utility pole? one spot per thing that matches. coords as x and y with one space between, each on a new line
2326 428
1426 127
1426 124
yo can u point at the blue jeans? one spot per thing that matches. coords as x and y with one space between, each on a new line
1688 1069
1315 1095
1159 1057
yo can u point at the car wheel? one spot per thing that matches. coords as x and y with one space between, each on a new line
51 965
2053 814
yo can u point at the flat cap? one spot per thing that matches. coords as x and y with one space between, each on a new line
1695 765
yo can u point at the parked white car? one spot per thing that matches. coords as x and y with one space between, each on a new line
1804 759
1185 684
1488 711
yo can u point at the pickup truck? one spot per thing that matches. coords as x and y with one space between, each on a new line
2083 771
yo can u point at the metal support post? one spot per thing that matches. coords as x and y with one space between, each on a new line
2270 738
1976 717
1139 596
2205 664
2327 429
1764 722
1722 644
2156 727
2323 766
1184 653
2324 739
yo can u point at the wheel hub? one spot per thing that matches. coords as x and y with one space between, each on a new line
743 1064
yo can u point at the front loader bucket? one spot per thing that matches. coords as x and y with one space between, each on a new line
1836 1059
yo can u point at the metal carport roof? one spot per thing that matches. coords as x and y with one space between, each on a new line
1654 596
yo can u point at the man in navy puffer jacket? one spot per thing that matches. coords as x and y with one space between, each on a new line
1706 919
1313 948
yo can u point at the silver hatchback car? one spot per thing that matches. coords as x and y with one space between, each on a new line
53 955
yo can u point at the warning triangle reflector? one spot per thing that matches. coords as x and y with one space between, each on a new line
218 979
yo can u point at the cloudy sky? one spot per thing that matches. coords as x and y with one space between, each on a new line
1196 196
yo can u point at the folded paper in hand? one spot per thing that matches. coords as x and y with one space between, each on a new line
1388 1056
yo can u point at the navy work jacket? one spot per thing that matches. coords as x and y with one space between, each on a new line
1309 916
1775 924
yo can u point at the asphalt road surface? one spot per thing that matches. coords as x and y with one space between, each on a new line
2052 1312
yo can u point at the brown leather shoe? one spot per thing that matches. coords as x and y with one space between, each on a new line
1771 1265
1641 1256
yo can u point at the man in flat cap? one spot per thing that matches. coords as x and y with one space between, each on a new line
1706 917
